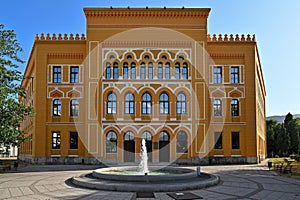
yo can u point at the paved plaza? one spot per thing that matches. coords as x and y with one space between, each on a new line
237 182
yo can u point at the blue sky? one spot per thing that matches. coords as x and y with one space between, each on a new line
276 24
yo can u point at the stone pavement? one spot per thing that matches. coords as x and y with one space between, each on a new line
237 182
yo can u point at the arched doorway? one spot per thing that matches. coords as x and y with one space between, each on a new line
129 147
148 138
164 147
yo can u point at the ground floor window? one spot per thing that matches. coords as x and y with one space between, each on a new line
73 140
111 142
235 140
218 140
181 143
55 140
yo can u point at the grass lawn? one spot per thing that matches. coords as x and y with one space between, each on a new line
295 169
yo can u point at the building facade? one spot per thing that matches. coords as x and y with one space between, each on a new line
145 73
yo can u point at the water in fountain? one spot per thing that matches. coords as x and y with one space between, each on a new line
143 166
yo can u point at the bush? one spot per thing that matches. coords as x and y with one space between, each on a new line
295 157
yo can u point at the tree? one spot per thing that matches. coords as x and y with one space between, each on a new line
292 130
12 111
272 148
283 140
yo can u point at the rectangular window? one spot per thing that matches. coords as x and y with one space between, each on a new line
73 140
218 140
125 73
217 75
160 72
56 74
74 75
55 140
235 140
235 75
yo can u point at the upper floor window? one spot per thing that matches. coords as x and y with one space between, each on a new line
74 75
133 71
181 104
56 74
164 57
164 103
181 142
218 140
125 71
73 140
143 71
146 57
185 73
108 71
116 71
146 103
217 107
111 104
235 75
111 142
56 107
55 140
129 57
74 108
234 107
129 103
168 71
217 75
150 71
160 71
177 71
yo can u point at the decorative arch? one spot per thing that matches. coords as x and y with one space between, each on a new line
74 94
235 93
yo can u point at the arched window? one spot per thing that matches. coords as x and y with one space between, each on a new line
164 103
160 71
143 71
147 136
129 136
116 71
111 104
56 108
133 71
181 104
74 108
168 72
146 57
146 103
150 71
111 142
129 103
185 73
181 142
164 57
107 71
163 136
234 107
125 71
217 107
177 71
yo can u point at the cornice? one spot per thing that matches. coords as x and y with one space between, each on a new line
227 56
145 12
175 44
65 56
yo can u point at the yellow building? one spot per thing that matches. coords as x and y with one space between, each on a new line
152 73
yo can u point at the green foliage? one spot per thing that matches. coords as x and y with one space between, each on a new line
12 111
283 139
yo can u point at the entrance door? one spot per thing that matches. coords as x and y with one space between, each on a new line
129 147
164 147
148 138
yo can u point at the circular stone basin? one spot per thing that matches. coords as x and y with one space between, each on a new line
130 173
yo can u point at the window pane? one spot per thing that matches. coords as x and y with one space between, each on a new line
143 71
150 71
125 71
234 75
185 71
218 140
181 143
160 71
55 140
133 71
116 71
111 104
73 140
74 75
235 136
177 71
217 75
56 107
111 142
56 74
234 107
217 107
168 72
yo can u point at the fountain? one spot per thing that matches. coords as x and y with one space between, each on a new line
143 166
143 179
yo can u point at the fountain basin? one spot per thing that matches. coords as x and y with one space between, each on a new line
157 173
